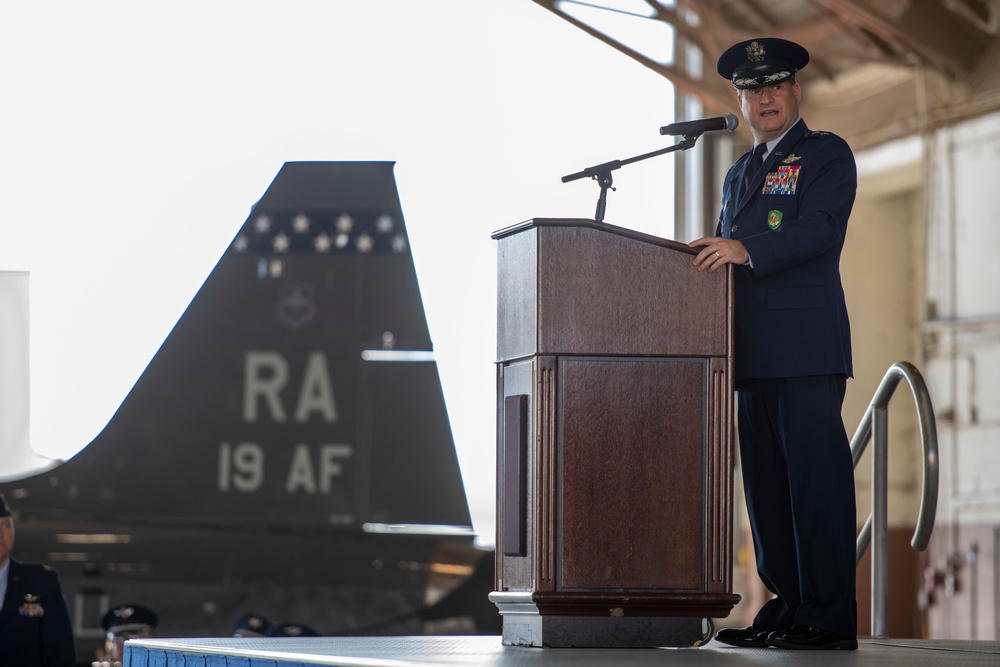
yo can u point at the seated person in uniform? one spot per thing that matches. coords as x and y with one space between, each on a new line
123 622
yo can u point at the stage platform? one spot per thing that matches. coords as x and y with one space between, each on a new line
464 651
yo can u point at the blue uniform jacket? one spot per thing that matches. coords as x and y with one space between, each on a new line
35 628
791 317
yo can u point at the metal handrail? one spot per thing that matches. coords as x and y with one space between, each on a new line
875 422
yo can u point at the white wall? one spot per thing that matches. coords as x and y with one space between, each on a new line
962 342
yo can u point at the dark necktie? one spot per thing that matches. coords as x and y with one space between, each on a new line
751 167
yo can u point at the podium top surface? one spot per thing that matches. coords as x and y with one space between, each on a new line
591 224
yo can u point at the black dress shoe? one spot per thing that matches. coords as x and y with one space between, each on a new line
750 636
807 637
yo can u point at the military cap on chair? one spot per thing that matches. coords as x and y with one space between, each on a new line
761 62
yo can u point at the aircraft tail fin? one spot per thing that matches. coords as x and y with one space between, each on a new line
298 388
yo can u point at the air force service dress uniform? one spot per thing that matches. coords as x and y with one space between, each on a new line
35 627
793 357
791 316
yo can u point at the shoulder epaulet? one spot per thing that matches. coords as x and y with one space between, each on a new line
35 567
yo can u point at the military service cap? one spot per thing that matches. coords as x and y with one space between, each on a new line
251 625
128 618
761 62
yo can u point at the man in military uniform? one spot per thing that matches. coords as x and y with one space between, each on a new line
784 218
121 623
35 628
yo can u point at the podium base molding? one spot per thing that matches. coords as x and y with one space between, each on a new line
525 625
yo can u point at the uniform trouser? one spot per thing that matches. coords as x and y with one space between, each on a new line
798 475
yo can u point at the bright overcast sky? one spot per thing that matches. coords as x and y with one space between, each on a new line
135 136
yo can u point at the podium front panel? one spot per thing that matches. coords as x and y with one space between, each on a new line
632 451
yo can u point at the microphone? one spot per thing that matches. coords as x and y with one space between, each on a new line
696 127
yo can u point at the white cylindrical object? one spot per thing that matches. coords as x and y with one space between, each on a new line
16 457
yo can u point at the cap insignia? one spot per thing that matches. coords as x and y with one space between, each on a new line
755 52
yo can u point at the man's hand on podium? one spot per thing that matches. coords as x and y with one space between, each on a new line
717 252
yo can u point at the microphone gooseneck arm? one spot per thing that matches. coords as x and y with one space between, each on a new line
602 172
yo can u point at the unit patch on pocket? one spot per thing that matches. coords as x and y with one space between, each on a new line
774 219
782 182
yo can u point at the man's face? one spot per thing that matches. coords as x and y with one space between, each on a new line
115 644
6 538
770 110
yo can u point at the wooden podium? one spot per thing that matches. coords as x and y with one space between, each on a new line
614 438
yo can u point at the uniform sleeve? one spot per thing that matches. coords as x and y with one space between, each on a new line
57 629
827 196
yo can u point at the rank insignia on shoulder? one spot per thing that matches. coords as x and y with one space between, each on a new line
791 158
774 219
817 133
